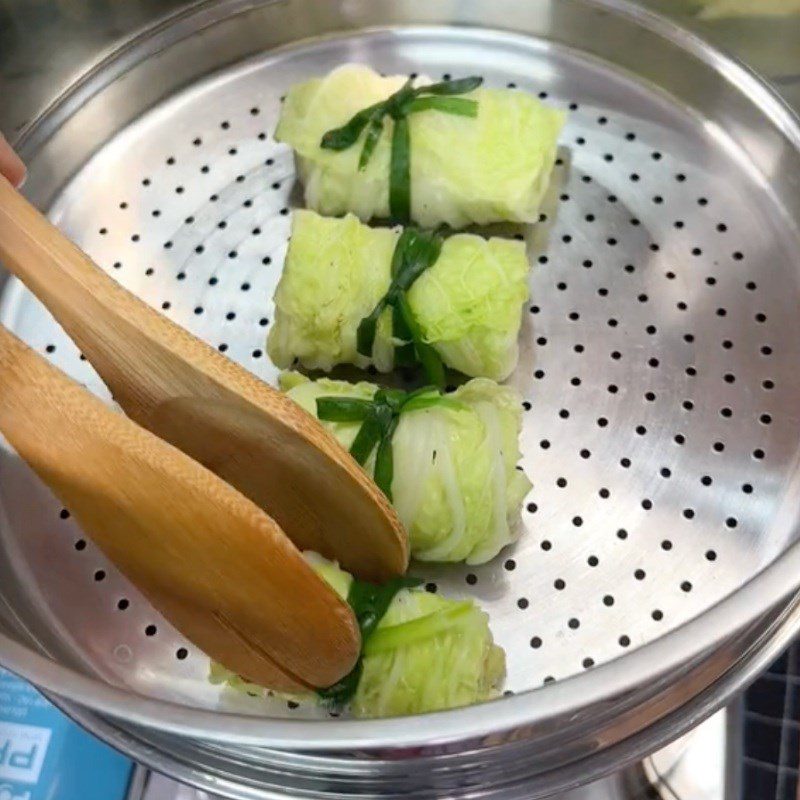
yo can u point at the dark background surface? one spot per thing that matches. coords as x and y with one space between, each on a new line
44 44
771 733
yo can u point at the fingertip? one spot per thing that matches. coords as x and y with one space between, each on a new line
11 165
22 178
15 171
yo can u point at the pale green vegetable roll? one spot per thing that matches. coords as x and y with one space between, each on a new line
428 653
455 485
491 168
468 304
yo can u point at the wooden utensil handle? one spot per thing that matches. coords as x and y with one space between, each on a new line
141 355
207 558
41 256
85 301
186 392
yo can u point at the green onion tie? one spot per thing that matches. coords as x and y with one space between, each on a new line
407 100
370 604
379 418
415 252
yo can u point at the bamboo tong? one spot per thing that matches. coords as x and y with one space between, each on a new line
205 493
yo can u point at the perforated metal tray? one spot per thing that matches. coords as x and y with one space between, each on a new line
657 367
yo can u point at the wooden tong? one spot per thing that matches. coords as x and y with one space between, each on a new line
221 570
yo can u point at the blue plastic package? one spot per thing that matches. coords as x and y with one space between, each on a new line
45 756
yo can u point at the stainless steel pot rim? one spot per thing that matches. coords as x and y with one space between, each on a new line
766 589
665 730
527 709
143 44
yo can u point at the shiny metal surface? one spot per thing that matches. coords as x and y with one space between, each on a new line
511 772
74 33
615 788
46 44
662 432
190 211
691 768
695 767
768 43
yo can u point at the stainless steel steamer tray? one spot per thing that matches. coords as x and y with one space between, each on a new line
658 364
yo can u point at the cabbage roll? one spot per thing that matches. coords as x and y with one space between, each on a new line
491 168
455 484
468 304
427 653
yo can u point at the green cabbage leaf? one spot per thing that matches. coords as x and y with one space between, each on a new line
428 653
456 486
492 168
468 304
